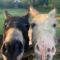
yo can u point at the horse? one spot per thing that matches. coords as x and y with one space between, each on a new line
43 34
15 36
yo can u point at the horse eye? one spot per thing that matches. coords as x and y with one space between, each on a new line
54 25
33 25
25 24
5 24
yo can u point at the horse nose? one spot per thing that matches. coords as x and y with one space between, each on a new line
13 47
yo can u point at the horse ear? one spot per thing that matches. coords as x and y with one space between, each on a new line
52 13
7 15
27 14
33 12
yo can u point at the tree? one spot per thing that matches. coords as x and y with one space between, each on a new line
53 3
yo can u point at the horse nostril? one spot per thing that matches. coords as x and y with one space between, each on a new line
19 46
48 49
4 49
52 49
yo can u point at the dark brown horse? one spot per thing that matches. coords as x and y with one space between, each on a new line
15 37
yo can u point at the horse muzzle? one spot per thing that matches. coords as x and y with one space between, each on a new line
12 49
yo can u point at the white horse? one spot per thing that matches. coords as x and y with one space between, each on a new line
43 34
